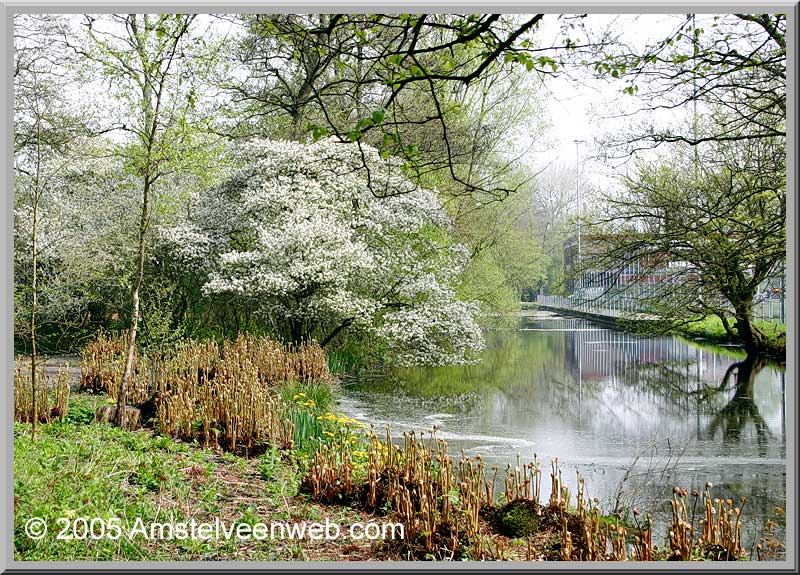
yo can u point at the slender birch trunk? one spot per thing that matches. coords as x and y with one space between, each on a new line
34 277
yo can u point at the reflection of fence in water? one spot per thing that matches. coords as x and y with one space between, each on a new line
644 386
601 353
623 379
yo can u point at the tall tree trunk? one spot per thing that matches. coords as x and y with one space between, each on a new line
34 277
122 397
150 111
748 334
296 331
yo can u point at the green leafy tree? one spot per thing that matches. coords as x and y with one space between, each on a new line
378 78
716 230
145 56
45 129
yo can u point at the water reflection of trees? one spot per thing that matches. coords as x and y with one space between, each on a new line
741 409
671 383
583 377
730 418
633 381
622 377
618 391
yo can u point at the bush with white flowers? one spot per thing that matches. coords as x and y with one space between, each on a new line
327 237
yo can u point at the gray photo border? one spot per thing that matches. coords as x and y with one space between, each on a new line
8 8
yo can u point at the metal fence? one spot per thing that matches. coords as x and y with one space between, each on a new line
628 305
772 309
611 306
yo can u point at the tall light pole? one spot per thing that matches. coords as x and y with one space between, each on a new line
695 50
578 197
783 294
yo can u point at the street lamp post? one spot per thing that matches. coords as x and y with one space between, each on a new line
783 294
578 197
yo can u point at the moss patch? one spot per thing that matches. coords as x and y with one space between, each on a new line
517 519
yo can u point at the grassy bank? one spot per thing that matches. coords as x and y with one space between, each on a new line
711 329
78 469
231 440
82 470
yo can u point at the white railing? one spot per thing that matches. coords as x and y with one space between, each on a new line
611 306
627 305
772 309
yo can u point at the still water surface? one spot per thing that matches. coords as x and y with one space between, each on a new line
634 416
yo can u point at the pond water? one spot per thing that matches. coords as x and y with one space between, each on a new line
634 416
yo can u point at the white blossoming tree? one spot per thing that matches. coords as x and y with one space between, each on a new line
323 245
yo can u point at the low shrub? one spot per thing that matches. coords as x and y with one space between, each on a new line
517 519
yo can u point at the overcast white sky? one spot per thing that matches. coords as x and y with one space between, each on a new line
576 109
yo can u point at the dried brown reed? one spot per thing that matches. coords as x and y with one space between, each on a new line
448 507
681 533
643 542
333 478
416 481
588 535
52 394
221 395
523 481
720 533
722 527
103 364
443 505
769 547
226 396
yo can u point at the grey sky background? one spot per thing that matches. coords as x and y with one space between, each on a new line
582 108
576 106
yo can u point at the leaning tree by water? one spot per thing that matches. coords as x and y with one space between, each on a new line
715 230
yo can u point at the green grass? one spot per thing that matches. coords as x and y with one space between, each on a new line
344 362
711 328
80 470
772 329
82 407
75 470
89 471
321 393
305 402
